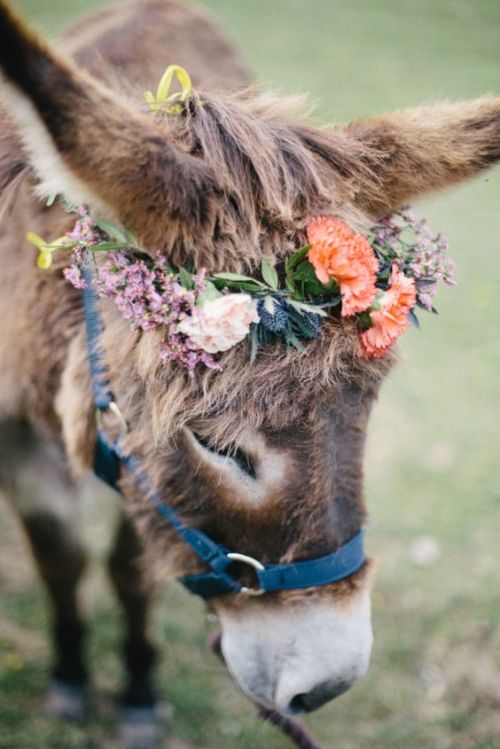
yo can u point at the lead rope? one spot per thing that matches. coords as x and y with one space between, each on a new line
291 728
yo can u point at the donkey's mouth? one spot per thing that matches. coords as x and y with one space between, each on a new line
214 642
296 732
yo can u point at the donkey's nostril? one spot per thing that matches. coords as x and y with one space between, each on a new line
296 705
320 695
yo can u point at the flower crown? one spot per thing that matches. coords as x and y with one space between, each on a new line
378 279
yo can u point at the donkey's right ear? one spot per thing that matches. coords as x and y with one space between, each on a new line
90 146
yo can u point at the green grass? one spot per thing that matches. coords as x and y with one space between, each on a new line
433 453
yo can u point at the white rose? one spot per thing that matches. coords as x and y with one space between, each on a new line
221 323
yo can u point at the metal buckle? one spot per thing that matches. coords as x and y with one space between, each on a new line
120 419
251 562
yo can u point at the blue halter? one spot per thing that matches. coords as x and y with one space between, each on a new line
109 457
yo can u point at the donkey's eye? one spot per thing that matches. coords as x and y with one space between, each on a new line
240 457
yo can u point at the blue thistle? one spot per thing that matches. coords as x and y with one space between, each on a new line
275 321
311 324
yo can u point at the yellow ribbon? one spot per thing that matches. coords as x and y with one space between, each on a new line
46 249
164 101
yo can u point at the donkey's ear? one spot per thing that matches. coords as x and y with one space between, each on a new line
90 146
416 151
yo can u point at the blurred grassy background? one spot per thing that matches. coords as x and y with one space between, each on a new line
433 454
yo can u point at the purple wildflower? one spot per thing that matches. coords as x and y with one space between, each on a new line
73 274
146 292
180 349
149 296
84 232
404 239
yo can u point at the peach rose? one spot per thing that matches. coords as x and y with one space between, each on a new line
392 318
337 252
221 323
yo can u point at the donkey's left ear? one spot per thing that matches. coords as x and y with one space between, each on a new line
416 151
88 145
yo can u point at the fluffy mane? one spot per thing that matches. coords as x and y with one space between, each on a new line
275 170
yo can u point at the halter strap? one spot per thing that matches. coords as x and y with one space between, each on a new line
109 457
294 576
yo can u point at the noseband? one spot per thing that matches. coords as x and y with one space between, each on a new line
110 457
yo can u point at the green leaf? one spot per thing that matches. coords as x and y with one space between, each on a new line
251 286
330 289
432 309
423 282
68 206
236 277
51 199
311 286
269 274
291 285
365 320
295 259
186 278
113 231
208 294
305 272
303 307
107 246
413 319
293 341
334 301
169 268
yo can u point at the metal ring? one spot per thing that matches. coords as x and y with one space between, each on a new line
251 562
114 409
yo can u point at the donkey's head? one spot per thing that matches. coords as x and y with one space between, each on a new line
265 458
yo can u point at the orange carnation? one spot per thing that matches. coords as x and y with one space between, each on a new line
392 318
338 253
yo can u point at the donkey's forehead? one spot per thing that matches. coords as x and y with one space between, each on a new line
278 391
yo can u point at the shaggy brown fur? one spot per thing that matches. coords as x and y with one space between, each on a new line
236 177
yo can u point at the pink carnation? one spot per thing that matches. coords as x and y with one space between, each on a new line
392 318
221 323
338 253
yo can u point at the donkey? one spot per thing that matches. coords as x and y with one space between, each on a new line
266 458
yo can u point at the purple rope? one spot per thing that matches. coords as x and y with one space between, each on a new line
291 728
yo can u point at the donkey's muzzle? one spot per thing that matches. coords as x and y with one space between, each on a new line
295 656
